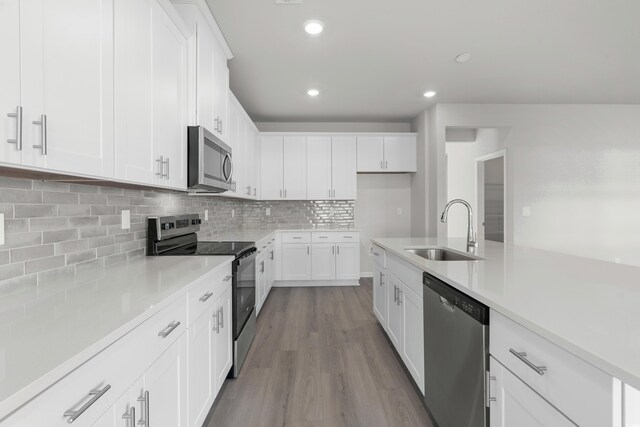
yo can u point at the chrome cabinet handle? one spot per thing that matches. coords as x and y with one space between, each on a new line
399 296
170 328
206 296
262 267
334 194
395 293
96 393
18 116
323 237
165 163
329 193
489 397
381 164
308 249
227 278
386 164
338 249
347 237
280 193
375 253
271 256
130 416
540 370
160 161
333 250
285 193
144 409
43 132
297 237
381 278
248 190
254 191
215 320
221 318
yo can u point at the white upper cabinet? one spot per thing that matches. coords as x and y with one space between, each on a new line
271 168
151 95
244 142
209 65
134 87
370 154
343 168
387 153
10 102
319 167
67 85
170 102
400 154
295 167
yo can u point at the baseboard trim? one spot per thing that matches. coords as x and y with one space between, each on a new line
312 283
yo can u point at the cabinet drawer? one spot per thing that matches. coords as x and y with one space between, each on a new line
335 237
407 273
206 290
296 237
378 255
159 332
582 392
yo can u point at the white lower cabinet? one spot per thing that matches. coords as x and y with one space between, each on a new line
223 339
264 273
394 311
399 309
323 261
379 294
516 404
201 380
631 407
347 261
296 261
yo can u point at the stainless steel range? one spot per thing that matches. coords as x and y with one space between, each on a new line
176 235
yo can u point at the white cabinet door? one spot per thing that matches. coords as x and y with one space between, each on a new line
348 261
233 136
323 261
67 80
205 77
318 167
344 168
256 163
10 101
222 339
200 368
170 100
166 383
413 333
134 88
271 168
394 325
260 280
295 167
400 154
379 294
370 154
518 405
631 407
220 93
296 261
249 169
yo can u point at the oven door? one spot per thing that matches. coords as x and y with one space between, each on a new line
210 165
244 290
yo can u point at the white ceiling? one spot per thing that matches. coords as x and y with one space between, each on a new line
376 58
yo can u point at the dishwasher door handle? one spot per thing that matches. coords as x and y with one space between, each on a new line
447 304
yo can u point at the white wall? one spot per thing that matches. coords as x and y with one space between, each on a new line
576 166
332 127
379 197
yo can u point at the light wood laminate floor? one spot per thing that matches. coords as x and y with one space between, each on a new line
319 359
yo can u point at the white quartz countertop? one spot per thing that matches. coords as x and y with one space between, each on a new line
46 333
257 235
590 308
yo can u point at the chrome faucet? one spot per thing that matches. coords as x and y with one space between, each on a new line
472 242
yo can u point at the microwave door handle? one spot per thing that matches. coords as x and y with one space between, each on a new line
227 157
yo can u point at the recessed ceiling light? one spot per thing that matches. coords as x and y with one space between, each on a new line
313 27
463 57
313 92
429 94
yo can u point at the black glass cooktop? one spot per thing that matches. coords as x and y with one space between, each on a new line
213 248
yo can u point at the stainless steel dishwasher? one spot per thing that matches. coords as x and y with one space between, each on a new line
456 343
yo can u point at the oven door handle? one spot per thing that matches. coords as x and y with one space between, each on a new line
248 258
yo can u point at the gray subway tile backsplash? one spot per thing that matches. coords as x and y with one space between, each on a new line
56 231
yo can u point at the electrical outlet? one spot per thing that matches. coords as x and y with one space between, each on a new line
399 211
617 260
268 211
1 229
526 211
126 219
233 213
206 214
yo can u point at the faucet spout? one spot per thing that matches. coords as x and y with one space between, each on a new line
472 242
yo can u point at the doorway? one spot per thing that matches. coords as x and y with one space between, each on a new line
492 194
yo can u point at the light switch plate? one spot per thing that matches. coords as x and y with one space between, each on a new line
126 219
268 211
1 229
206 214
233 213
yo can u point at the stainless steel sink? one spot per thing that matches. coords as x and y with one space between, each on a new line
442 254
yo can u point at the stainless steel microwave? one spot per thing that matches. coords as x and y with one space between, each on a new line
210 165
